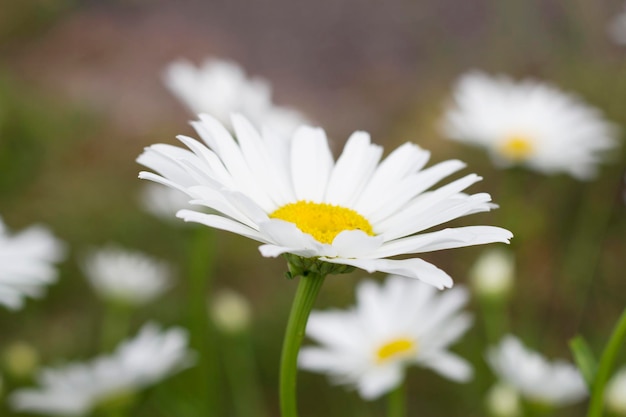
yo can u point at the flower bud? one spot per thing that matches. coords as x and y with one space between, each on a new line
503 401
493 273
615 394
230 312
20 359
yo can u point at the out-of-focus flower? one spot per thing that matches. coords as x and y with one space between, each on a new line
615 394
557 383
503 401
294 198
27 264
75 389
221 88
20 359
617 28
126 276
163 202
397 324
528 123
493 273
230 311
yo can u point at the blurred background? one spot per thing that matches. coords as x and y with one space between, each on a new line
81 94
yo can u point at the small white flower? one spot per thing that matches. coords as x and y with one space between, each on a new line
557 383
292 196
397 324
27 264
528 123
126 276
220 88
493 273
617 28
75 389
615 394
163 202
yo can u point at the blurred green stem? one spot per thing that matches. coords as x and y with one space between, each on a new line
241 371
495 318
596 404
308 288
116 323
206 386
396 402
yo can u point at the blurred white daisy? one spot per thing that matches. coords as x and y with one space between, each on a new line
27 263
528 123
552 383
291 195
615 394
220 88
617 28
163 202
77 388
394 325
126 276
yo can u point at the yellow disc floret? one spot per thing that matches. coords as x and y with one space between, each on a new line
395 349
516 148
322 221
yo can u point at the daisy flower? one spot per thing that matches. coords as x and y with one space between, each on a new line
528 123
77 388
294 198
126 276
392 326
27 263
557 383
220 88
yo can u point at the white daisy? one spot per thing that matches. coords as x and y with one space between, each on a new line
75 389
163 202
615 394
399 323
557 383
293 197
27 263
528 123
617 28
126 276
220 88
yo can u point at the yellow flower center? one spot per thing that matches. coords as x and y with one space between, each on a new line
517 148
322 221
397 348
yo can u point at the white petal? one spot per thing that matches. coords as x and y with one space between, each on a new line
412 268
311 163
379 380
222 223
356 243
449 365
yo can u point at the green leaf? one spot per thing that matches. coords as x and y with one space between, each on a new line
585 360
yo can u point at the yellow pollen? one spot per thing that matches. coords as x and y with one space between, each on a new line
397 348
516 148
322 221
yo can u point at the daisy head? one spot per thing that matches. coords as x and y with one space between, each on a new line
126 276
77 388
528 123
220 88
399 323
291 195
27 263
538 380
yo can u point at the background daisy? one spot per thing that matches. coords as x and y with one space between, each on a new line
394 325
528 123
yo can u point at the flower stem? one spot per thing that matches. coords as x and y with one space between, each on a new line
308 288
206 384
396 402
605 367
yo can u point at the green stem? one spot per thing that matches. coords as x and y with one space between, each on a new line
308 288
396 402
206 386
605 367
115 323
